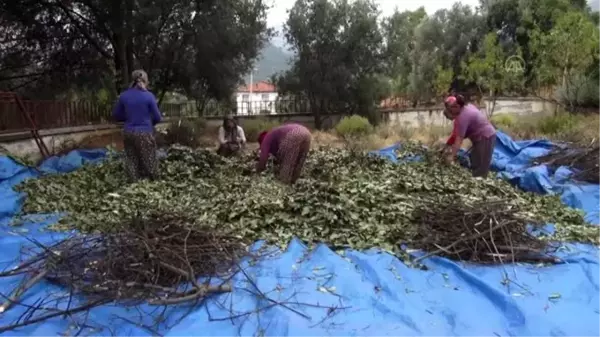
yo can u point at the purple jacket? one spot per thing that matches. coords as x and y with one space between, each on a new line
138 109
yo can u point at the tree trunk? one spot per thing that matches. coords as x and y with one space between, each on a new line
122 36
315 110
492 104
128 37
121 63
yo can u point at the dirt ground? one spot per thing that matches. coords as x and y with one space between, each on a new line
114 139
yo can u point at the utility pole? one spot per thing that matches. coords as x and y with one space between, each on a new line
251 89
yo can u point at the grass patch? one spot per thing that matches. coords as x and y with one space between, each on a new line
561 127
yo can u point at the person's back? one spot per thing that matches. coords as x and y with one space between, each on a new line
138 109
274 136
474 123
290 144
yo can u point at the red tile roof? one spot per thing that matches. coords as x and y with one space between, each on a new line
258 87
394 103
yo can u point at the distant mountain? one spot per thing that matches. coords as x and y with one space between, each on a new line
273 59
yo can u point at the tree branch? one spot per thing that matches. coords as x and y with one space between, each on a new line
84 31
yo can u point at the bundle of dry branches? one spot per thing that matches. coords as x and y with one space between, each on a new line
585 159
155 259
479 232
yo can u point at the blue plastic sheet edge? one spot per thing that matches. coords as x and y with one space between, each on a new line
321 292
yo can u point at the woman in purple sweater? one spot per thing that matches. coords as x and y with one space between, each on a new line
470 122
138 109
290 144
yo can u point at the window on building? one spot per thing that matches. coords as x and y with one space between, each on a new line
264 97
245 98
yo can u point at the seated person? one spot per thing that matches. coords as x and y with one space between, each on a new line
231 137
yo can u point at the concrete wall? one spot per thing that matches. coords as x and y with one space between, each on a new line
522 105
24 145
21 143
434 116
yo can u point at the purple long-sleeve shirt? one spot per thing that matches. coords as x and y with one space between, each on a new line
270 145
138 108
473 124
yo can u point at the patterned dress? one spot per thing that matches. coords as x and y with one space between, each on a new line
140 155
290 144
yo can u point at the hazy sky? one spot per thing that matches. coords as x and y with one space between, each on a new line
277 14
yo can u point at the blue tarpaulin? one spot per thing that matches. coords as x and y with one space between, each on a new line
357 293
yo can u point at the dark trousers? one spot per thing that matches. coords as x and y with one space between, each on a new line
481 156
140 155
228 149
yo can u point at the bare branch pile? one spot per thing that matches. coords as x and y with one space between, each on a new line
156 259
483 232
585 159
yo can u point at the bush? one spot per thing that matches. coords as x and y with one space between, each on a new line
253 127
353 126
558 124
503 121
581 91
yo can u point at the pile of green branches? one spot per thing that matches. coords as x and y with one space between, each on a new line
344 198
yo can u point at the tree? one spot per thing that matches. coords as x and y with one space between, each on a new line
487 69
338 48
399 35
443 81
198 47
566 51
514 20
444 39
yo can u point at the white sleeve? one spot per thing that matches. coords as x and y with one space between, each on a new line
222 135
241 134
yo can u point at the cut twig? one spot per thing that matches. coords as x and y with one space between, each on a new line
148 260
195 295
458 230
17 293
584 158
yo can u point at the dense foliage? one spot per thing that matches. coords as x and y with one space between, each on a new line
347 55
198 48
344 198
347 61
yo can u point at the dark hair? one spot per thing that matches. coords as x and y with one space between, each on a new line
233 131
460 100
228 118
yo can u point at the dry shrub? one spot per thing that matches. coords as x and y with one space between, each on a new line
326 138
432 134
189 132
560 127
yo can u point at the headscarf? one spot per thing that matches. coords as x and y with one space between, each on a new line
230 133
140 79
450 100
261 137
453 100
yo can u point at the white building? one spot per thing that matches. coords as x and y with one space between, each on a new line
259 98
